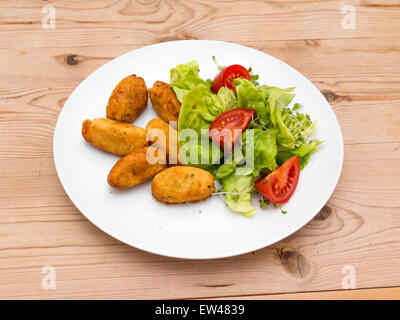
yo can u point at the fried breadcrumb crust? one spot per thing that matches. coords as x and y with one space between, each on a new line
135 168
128 99
169 144
182 184
114 136
164 101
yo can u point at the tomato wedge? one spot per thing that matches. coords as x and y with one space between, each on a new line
280 184
226 77
228 126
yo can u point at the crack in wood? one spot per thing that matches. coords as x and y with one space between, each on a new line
217 285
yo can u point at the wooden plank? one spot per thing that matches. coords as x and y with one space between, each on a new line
369 68
363 294
29 133
357 70
38 228
129 22
31 101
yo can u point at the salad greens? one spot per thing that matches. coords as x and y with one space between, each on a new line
276 133
251 97
237 197
265 149
185 77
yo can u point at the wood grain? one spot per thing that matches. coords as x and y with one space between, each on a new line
358 71
361 294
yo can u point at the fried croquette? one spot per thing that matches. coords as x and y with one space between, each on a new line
182 184
114 136
136 168
169 140
164 101
128 99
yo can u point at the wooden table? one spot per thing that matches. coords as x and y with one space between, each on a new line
358 70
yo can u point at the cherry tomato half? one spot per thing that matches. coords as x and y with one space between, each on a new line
280 184
228 126
226 77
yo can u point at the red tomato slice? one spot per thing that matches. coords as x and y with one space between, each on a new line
228 126
280 184
226 77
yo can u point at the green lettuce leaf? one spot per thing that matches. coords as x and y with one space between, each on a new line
194 113
226 99
294 128
304 152
276 97
240 186
265 149
285 137
305 149
180 93
185 77
193 153
225 170
299 124
198 110
250 97
200 107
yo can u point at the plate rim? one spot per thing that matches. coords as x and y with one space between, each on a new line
215 256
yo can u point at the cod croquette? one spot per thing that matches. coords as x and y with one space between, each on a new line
169 141
164 101
128 99
114 136
182 184
135 168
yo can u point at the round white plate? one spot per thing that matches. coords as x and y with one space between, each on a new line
207 229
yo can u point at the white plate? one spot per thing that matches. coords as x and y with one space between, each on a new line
133 216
